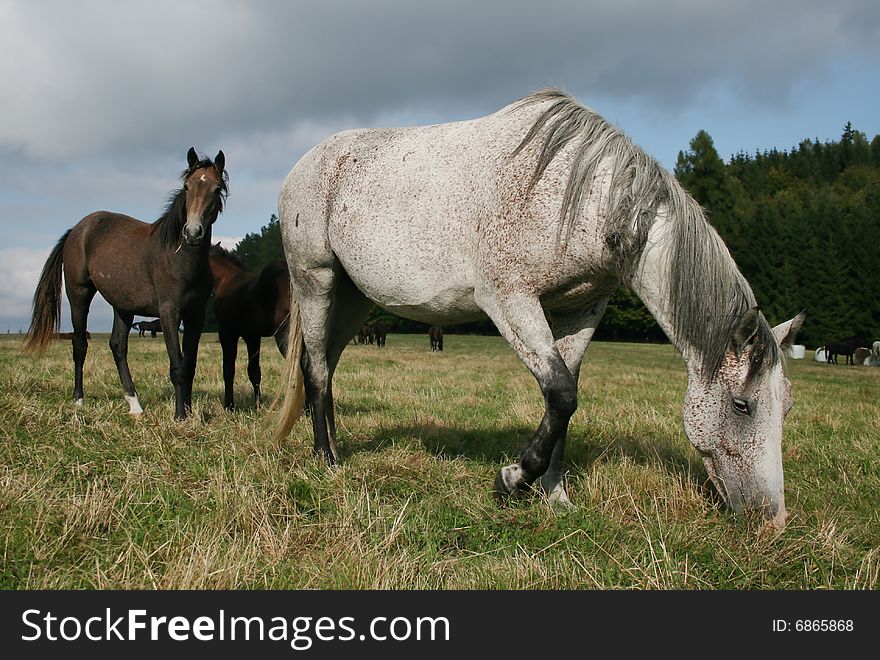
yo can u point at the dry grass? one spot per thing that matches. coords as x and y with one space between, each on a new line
92 498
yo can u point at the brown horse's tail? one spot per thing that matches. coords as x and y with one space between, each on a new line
292 379
46 317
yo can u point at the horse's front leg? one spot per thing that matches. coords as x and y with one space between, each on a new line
229 344
192 333
170 320
573 332
521 321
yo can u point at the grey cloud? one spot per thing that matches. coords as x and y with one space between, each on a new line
92 77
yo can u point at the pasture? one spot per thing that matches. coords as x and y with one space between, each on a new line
94 498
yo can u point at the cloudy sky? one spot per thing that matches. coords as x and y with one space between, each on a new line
100 100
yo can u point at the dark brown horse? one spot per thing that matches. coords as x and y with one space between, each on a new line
380 331
365 334
111 253
846 348
435 334
248 306
143 327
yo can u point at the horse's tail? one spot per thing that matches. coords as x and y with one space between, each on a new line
292 379
46 318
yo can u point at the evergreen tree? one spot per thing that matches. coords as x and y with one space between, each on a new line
259 249
701 171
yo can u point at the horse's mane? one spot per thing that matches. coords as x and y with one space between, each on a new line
708 296
170 223
223 253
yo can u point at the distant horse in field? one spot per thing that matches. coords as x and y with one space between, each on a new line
144 327
365 335
158 269
248 306
536 211
435 335
875 354
380 332
846 348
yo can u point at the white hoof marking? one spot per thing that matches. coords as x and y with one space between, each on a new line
512 477
134 406
79 403
558 497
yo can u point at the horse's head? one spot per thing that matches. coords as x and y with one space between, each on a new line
735 419
204 185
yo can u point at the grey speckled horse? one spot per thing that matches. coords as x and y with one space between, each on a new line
531 216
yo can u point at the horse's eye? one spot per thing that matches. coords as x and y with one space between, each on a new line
185 188
741 406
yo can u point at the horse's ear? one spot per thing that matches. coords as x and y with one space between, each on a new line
786 332
192 158
746 330
220 161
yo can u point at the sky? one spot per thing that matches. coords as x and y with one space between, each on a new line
100 100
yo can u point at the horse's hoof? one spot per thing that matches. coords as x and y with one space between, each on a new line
326 457
134 406
509 484
558 499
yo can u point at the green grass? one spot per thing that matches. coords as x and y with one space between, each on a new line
93 498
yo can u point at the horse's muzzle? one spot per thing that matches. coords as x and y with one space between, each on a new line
193 236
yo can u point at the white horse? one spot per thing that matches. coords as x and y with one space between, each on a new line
531 216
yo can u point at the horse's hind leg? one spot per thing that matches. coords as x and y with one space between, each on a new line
80 297
349 311
521 321
119 348
331 311
253 368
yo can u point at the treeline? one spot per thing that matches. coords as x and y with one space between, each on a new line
803 226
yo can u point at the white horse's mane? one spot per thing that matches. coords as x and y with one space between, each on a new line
708 296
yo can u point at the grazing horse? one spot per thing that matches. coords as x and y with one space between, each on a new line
158 269
144 327
534 212
249 306
435 335
380 332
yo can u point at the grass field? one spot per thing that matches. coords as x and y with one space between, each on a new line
93 498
